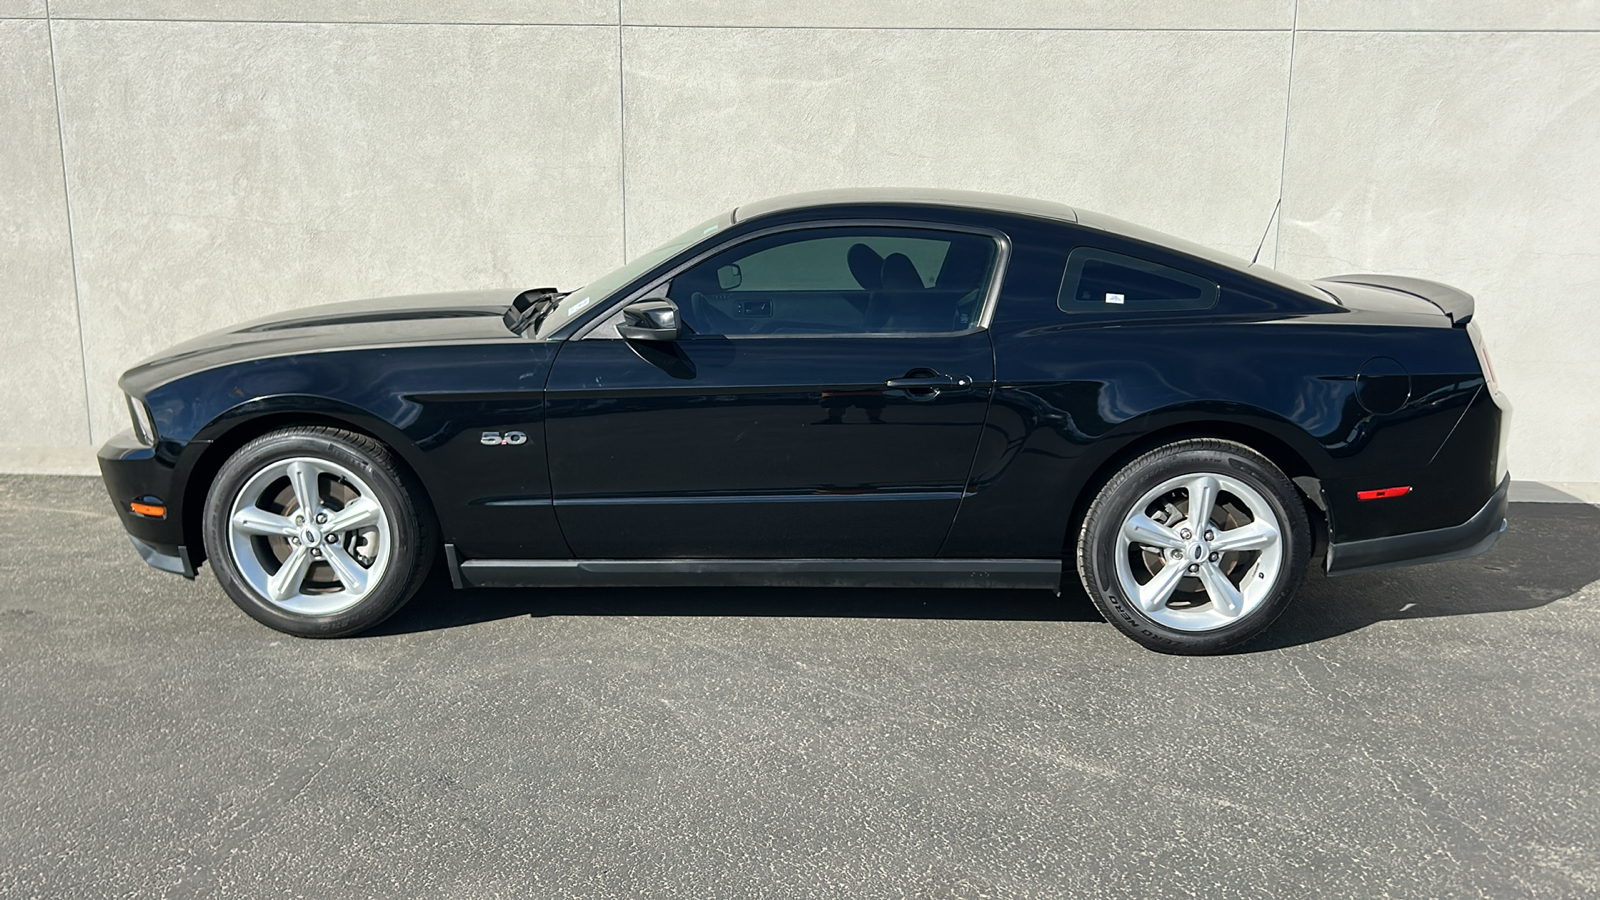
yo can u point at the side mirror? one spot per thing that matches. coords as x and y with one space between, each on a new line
730 276
651 320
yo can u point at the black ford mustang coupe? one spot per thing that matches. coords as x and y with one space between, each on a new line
895 388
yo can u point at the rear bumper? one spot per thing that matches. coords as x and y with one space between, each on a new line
1470 538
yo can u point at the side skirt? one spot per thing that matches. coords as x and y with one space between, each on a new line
1044 574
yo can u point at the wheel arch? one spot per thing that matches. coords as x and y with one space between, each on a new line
224 435
1291 461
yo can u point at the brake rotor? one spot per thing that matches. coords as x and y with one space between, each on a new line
320 577
1172 510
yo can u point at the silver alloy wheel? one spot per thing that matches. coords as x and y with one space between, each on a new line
1209 547
309 536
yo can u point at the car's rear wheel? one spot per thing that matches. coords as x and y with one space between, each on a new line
1194 547
314 531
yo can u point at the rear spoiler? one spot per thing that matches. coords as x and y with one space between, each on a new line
1453 302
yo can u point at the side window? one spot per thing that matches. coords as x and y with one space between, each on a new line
842 280
1102 281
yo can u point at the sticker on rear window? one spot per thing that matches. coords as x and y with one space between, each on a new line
1114 298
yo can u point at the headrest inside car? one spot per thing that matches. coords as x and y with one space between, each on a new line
900 274
866 266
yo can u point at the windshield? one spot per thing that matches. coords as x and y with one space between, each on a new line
606 285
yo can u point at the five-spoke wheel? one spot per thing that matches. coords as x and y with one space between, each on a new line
314 531
1194 547
1196 552
309 536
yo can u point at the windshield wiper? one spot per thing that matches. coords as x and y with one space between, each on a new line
530 308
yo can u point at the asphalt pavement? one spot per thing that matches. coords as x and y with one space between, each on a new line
1426 732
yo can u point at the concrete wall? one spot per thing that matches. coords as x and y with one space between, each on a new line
171 166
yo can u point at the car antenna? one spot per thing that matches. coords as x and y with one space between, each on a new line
1264 231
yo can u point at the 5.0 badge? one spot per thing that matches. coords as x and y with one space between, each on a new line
502 438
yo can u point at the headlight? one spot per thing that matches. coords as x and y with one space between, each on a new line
143 428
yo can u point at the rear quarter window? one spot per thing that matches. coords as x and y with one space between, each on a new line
1100 281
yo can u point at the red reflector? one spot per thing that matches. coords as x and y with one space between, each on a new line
1383 493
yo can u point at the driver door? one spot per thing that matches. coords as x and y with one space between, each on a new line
824 401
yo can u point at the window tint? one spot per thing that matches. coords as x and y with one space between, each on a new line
846 280
1102 281
597 290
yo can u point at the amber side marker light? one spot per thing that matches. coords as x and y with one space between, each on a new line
1383 493
149 510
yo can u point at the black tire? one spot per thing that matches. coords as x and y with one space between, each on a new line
1097 542
411 527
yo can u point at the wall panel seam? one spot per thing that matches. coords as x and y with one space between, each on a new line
757 27
1452 30
752 27
972 28
334 22
1089 29
72 240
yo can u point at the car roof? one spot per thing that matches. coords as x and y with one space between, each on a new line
1042 209
1024 206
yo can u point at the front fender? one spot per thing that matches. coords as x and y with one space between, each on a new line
430 404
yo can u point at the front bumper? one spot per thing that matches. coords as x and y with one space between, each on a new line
177 562
1470 538
134 472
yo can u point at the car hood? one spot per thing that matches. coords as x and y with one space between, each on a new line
462 316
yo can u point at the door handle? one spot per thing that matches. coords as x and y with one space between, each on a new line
929 381
926 384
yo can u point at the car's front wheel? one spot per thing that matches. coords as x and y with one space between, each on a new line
313 531
1194 547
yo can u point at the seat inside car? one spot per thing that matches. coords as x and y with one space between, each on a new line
964 265
866 266
691 290
902 304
